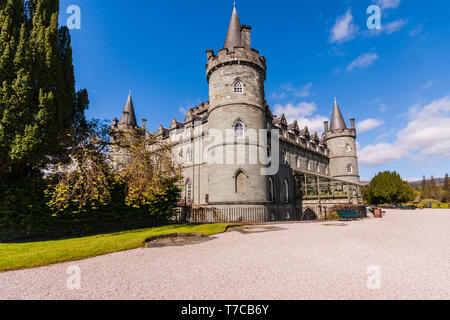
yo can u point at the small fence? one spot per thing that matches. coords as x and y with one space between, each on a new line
238 214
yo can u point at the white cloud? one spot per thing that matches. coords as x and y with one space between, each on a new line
289 90
304 114
416 31
426 135
369 124
428 85
363 61
388 4
343 29
394 26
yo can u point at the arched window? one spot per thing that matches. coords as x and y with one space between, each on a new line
238 87
285 157
271 199
189 156
318 167
348 148
239 130
240 186
349 168
286 192
188 191
309 165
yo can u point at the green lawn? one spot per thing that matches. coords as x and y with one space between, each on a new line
36 254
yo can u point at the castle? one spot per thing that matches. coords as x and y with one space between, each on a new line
313 173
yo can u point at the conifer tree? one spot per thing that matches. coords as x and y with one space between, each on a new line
38 102
434 190
446 189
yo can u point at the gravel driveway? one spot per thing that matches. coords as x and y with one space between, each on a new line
407 255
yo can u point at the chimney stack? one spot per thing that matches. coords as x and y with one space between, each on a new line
325 126
352 121
144 123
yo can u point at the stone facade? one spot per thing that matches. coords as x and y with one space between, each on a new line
234 188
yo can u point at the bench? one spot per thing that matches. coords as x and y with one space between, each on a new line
349 215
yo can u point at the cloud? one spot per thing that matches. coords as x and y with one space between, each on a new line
428 85
394 26
388 4
426 135
369 124
304 114
363 61
343 29
416 31
289 90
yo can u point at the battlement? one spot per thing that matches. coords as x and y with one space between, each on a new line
239 55
339 133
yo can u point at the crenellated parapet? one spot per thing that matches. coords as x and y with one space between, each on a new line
238 56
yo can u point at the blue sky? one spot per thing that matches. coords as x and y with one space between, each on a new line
394 81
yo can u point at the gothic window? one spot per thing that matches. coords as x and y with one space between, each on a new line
240 186
189 156
348 148
238 87
239 130
188 191
286 192
318 167
349 169
271 198
309 165
285 157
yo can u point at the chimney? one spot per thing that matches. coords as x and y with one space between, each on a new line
115 122
325 126
144 123
245 36
352 121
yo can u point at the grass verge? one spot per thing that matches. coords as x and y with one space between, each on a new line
17 256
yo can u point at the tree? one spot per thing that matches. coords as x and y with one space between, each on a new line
388 187
435 192
425 191
446 189
38 102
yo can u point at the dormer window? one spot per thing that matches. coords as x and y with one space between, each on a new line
238 87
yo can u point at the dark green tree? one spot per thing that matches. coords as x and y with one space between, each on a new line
446 190
39 106
435 192
388 187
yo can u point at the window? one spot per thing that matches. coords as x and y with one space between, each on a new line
239 130
271 199
285 157
286 192
189 156
240 186
349 169
318 167
309 165
238 87
348 148
188 191
326 170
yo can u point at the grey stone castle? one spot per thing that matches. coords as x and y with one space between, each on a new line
314 172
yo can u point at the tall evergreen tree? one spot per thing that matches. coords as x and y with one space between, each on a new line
435 193
425 191
38 102
446 189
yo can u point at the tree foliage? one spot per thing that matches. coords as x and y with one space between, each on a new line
38 101
388 187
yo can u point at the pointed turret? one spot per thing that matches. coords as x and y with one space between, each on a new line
337 121
233 38
128 116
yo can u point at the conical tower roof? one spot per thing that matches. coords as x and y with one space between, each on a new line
130 118
337 121
233 38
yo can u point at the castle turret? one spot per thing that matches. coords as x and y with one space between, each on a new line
236 77
341 142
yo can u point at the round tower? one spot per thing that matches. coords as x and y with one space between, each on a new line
237 113
341 143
